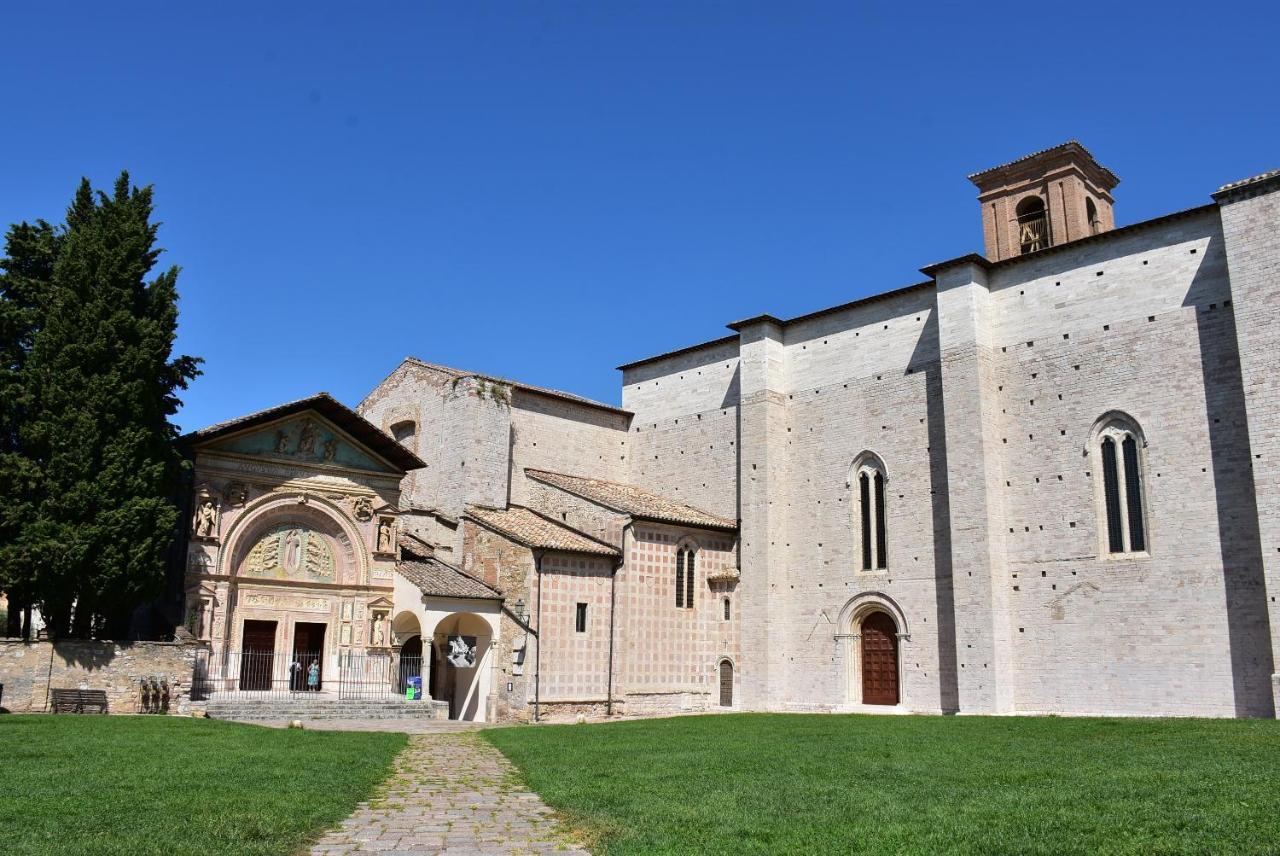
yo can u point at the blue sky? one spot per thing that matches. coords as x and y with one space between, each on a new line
547 190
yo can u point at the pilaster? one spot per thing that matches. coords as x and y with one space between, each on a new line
980 580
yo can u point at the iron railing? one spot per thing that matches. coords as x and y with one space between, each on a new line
302 675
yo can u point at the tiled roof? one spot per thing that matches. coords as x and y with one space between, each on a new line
635 501
439 579
528 387
1069 145
329 407
1245 182
527 527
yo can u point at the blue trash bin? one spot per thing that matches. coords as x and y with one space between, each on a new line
413 689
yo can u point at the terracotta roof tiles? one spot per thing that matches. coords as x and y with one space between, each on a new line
632 500
531 529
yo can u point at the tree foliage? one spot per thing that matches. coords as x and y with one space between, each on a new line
88 381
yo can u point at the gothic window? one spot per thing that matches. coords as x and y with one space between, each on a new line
1033 225
1091 215
686 567
404 433
1119 444
726 609
873 538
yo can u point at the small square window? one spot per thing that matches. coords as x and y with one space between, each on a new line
582 618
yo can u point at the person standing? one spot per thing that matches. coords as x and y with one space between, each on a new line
313 676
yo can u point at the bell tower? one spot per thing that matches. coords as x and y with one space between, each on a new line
1044 199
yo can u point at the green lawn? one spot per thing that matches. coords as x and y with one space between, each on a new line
167 785
759 783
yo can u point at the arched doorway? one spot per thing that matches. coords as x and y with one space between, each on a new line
879 659
410 665
726 683
460 665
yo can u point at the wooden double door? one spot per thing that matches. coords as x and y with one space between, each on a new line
879 659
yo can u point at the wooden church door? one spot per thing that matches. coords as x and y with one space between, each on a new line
879 659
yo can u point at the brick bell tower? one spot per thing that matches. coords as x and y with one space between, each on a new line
1044 199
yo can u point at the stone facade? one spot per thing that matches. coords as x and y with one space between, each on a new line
1073 452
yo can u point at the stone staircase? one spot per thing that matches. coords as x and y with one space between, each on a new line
311 708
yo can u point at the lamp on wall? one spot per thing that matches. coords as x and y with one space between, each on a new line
519 611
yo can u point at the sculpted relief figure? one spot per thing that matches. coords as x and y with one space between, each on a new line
237 494
384 535
307 439
330 450
379 631
206 519
292 550
282 442
362 508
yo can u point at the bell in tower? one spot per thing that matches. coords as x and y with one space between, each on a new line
1048 198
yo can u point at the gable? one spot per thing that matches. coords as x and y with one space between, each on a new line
306 439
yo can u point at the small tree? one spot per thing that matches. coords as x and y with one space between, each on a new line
94 464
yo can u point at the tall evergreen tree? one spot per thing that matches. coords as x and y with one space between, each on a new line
95 449
27 272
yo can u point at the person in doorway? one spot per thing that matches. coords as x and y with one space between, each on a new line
313 676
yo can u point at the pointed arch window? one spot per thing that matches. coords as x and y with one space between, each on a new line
1119 448
870 480
686 572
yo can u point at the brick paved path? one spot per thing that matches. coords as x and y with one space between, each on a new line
454 794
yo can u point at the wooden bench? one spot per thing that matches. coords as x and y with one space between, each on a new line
77 701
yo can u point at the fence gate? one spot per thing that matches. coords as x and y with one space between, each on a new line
381 675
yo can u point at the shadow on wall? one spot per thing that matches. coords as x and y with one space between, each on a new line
926 359
1244 585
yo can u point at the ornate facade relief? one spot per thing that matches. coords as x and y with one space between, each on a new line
386 540
237 494
291 552
206 517
362 508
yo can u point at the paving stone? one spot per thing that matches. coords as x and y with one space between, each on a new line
450 794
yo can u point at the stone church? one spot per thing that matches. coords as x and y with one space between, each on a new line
1043 480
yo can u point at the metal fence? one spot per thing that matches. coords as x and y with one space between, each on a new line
301 675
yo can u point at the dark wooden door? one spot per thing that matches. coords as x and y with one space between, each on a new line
308 648
726 684
879 659
257 655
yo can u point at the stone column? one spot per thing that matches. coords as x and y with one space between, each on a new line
972 419
763 419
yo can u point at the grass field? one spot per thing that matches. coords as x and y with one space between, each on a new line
167 785
844 784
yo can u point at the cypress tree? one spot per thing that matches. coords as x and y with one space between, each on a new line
96 447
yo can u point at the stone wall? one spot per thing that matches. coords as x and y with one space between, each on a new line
29 669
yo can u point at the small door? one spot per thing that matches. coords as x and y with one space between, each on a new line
726 683
257 654
879 659
308 651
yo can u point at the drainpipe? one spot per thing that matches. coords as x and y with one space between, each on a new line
537 653
613 600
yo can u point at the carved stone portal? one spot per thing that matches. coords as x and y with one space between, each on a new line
291 552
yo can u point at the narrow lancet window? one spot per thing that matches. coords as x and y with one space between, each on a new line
1133 494
1119 449
870 525
680 578
864 491
882 561
1111 487
688 580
